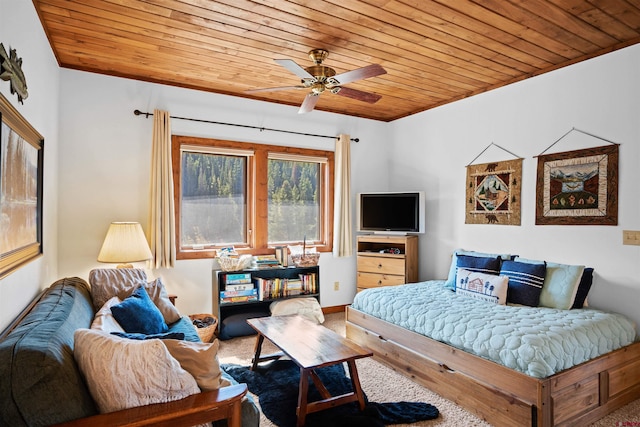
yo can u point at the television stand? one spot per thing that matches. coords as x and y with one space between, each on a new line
386 260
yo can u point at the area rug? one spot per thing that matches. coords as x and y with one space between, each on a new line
276 386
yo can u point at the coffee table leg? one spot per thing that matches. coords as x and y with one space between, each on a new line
355 380
258 349
302 397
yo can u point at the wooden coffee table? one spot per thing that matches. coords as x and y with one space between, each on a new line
310 346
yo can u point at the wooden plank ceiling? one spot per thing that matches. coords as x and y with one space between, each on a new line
434 51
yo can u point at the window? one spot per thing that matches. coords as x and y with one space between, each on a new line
251 196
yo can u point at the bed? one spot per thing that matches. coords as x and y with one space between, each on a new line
511 363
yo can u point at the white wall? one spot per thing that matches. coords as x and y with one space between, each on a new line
600 96
20 29
105 154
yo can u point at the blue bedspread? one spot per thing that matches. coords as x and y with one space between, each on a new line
537 341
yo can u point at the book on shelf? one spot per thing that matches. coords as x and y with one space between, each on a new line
309 283
247 298
282 287
282 255
247 292
238 278
238 286
294 284
266 261
259 259
268 266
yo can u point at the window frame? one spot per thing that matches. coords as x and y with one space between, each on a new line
256 192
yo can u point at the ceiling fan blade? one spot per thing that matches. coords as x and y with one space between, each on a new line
360 73
309 103
360 95
294 68
274 89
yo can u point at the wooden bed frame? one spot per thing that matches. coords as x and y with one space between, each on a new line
499 395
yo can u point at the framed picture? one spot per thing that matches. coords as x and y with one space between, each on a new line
21 162
493 193
578 187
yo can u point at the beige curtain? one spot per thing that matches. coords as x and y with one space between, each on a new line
342 229
162 221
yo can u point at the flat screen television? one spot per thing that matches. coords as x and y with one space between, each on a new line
394 212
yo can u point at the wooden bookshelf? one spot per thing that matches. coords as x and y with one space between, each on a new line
271 284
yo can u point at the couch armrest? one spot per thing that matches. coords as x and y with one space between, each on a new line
200 408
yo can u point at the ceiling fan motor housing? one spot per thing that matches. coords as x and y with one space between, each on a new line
320 72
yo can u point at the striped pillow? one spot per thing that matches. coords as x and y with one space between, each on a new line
484 265
525 282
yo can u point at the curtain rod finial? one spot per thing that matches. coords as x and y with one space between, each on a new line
355 139
138 113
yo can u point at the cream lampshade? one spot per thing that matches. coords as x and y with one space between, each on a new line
125 243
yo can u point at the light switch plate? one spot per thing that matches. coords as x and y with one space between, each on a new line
630 237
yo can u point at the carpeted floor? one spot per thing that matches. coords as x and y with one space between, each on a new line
382 384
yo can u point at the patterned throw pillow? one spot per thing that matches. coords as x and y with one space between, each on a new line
484 287
525 282
483 265
451 277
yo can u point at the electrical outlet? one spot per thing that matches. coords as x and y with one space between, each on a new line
630 237
336 286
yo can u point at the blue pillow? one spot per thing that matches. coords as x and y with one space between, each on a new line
476 264
583 288
138 314
525 282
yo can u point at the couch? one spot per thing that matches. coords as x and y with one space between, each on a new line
41 383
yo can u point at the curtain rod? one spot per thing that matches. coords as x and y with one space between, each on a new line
139 113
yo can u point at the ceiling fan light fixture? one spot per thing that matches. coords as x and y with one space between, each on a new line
317 88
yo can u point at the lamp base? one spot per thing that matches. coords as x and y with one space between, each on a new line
124 266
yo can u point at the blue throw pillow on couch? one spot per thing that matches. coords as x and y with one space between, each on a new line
138 314
525 282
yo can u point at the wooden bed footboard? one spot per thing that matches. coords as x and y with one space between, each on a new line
499 395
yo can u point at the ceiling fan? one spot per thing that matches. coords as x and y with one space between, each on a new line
319 78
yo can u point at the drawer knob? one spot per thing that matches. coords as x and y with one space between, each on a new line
379 282
379 265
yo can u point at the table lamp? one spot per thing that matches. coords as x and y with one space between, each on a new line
125 243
